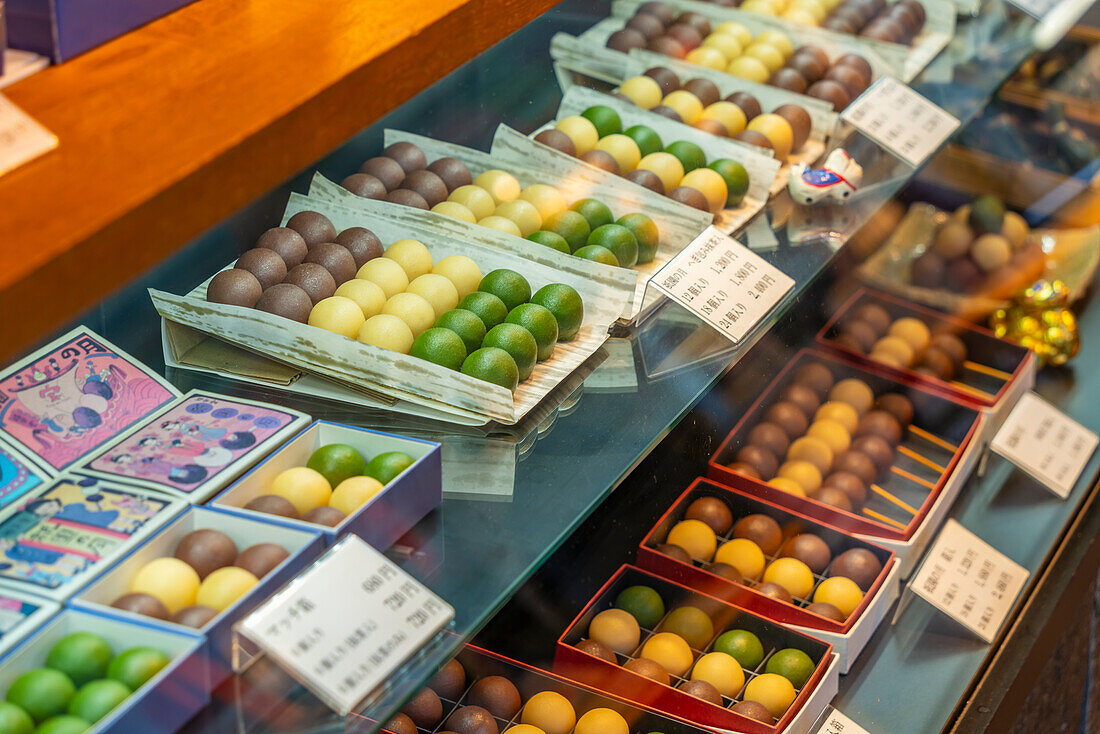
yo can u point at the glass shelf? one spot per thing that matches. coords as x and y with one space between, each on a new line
512 498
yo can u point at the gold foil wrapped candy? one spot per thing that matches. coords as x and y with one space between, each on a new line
1040 320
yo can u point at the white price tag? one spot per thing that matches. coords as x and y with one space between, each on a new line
900 120
1035 8
344 625
1045 443
969 580
837 723
21 137
723 283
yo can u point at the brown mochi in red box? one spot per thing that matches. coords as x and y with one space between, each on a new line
688 611
949 356
757 520
891 500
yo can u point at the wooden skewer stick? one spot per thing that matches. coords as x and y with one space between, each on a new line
912 477
905 451
931 438
882 518
986 370
972 390
891 498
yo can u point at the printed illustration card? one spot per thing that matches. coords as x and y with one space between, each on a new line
74 395
17 476
56 538
196 446
21 614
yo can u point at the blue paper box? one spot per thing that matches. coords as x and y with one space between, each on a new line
62 29
166 701
384 518
303 545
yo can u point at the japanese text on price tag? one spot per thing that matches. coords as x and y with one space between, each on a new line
1045 443
837 723
900 120
347 623
723 283
969 580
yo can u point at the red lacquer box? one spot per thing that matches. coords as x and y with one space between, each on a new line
809 702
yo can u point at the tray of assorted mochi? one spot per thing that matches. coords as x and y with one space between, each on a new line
473 332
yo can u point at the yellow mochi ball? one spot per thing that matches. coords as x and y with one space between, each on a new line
521 212
501 185
414 310
643 91
789 486
742 554
602 721
551 712
686 104
777 130
665 166
801 14
170 580
727 43
460 270
770 56
302 487
616 629
841 592
707 57
367 295
730 115
386 332
711 184
737 30
454 210
353 493
476 199
720 670
386 274
523 729
500 224
804 473
778 39
670 651
413 257
337 314
437 290
623 149
546 199
581 131
771 690
747 67
224 586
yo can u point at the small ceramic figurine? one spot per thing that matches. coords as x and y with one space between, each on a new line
837 179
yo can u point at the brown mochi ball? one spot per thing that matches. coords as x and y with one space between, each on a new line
206 550
597 650
386 170
497 695
712 511
450 680
365 185
407 155
286 243
424 708
314 279
234 287
334 258
363 244
648 669
268 267
314 227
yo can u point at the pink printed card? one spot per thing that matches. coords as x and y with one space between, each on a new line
196 446
74 395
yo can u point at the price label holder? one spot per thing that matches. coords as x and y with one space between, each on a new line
21 137
1047 444
968 580
344 626
723 283
900 120
834 722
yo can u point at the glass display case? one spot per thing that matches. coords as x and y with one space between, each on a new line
855 411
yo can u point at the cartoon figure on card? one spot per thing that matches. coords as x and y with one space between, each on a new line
191 443
63 531
72 398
